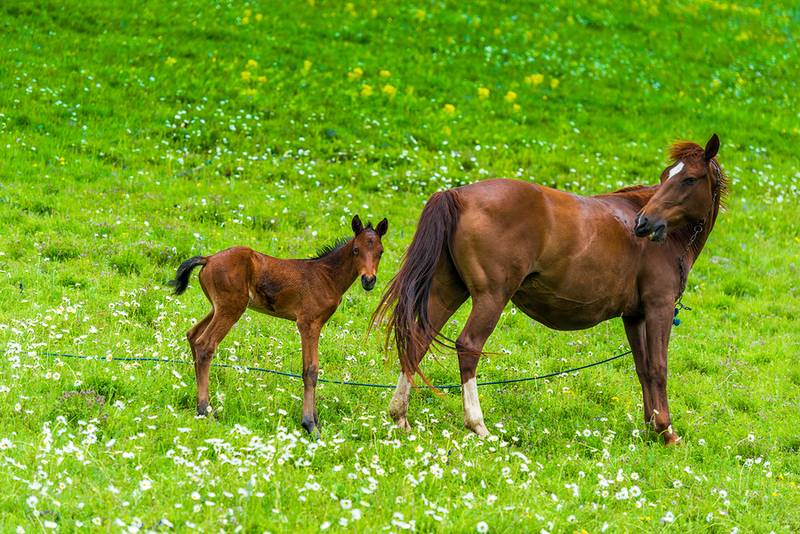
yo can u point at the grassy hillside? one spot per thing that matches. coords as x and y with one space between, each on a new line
134 135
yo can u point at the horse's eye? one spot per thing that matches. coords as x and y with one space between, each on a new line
355 252
689 181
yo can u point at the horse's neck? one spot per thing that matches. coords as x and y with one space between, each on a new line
340 267
700 241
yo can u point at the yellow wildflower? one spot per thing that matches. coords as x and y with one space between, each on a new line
259 16
307 65
171 61
248 12
385 73
249 92
245 20
252 63
554 83
534 79
483 93
516 107
366 90
449 109
389 90
356 73
510 96
246 75
420 14
262 79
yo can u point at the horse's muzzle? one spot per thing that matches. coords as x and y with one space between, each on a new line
368 282
655 230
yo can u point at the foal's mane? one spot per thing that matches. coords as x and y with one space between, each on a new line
326 250
330 248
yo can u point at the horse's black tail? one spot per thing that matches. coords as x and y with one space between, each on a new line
410 289
181 281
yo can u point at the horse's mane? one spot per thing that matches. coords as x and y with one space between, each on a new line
330 248
688 150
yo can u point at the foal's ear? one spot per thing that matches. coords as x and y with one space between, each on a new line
382 227
356 225
712 147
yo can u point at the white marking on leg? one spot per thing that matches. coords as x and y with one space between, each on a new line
398 407
473 416
675 170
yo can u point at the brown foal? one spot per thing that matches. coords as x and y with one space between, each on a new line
304 291
567 261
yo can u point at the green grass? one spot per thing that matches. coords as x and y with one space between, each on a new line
135 135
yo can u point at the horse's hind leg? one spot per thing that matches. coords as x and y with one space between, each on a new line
224 317
486 310
447 295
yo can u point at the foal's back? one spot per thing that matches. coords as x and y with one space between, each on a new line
246 278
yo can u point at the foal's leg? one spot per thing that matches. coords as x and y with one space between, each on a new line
309 335
486 310
637 338
195 332
658 326
206 344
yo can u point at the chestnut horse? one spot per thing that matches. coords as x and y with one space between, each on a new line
565 260
304 291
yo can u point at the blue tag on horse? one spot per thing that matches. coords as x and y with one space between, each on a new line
675 319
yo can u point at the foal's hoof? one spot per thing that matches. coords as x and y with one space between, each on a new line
310 425
203 409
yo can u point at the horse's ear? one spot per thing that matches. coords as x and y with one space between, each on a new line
356 225
712 147
382 227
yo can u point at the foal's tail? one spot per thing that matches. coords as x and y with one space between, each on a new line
181 281
410 289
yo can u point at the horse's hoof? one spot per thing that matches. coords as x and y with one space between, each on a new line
403 424
203 409
479 429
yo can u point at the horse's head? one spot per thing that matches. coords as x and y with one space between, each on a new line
367 249
687 193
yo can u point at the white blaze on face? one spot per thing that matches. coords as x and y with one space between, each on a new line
675 170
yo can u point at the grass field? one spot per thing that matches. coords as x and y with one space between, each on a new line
134 135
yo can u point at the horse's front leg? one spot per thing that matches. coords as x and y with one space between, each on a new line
309 335
658 325
637 338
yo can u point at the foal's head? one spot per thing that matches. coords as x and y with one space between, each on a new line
367 249
689 188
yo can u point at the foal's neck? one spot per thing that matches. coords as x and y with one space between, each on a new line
341 267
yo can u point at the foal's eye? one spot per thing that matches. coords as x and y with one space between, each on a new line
689 181
355 252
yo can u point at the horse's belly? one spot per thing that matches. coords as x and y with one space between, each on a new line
564 310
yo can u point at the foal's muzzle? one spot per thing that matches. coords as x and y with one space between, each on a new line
656 230
368 282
